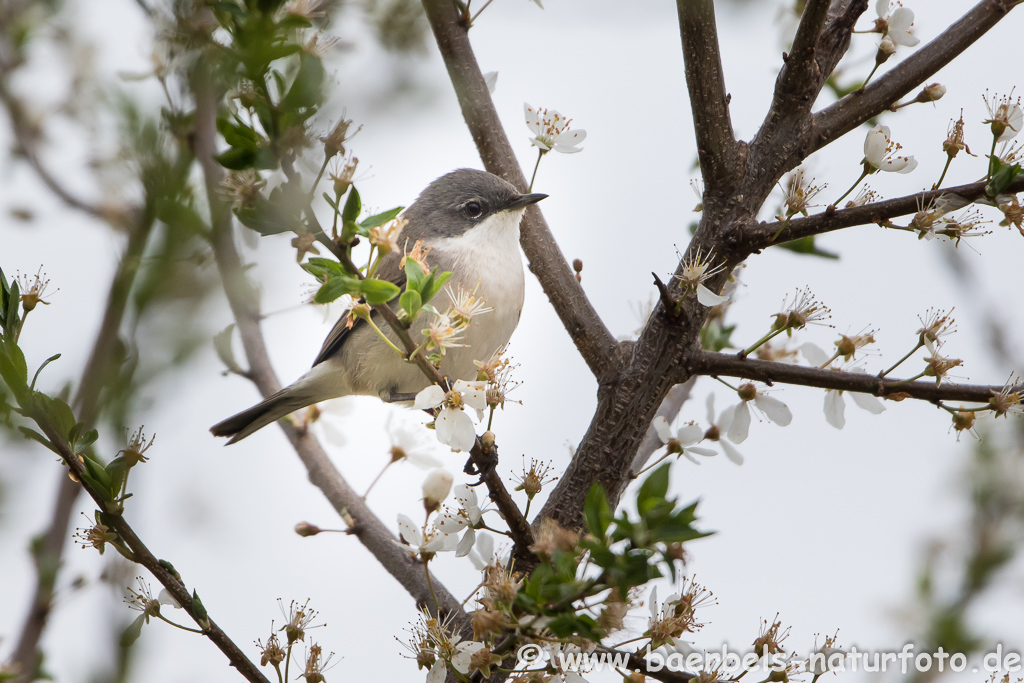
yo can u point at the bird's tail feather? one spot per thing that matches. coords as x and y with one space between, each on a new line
272 409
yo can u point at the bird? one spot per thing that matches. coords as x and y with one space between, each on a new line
469 220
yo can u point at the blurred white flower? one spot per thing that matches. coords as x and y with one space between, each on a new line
436 487
467 517
491 79
431 543
835 406
683 441
717 431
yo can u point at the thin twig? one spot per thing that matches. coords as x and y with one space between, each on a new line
778 232
772 372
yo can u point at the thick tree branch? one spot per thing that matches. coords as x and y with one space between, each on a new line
856 108
373 534
764 235
588 332
709 102
770 372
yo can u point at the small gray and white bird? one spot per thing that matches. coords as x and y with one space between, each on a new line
470 221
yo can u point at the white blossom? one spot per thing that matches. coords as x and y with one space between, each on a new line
897 23
467 517
717 431
880 152
453 426
684 439
437 486
551 130
773 409
431 543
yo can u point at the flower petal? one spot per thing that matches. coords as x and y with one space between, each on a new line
814 354
467 543
662 428
709 402
876 143
690 434
532 115
450 523
437 672
431 397
491 79
708 298
730 452
465 652
700 450
776 411
835 408
740 426
1014 122
455 429
408 530
881 8
867 402
473 393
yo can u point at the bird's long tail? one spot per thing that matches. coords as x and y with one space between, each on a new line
284 402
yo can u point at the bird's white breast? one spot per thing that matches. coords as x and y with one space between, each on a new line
487 259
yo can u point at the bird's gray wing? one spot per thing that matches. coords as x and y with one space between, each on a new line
389 270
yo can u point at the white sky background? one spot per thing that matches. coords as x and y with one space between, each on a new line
825 527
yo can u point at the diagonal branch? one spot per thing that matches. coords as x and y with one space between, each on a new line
143 556
765 235
856 108
373 534
770 372
593 340
709 102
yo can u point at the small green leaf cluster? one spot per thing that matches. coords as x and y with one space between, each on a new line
617 554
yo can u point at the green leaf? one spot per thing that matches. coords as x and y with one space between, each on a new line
10 318
14 371
236 158
5 292
414 275
381 218
117 470
36 436
652 491
305 90
222 345
353 205
378 291
322 268
85 440
411 303
45 363
335 287
199 611
596 511
134 630
56 412
434 284
806 245
1002 176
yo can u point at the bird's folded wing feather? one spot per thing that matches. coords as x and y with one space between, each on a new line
388 270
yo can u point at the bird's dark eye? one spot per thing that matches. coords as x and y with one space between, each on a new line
473 209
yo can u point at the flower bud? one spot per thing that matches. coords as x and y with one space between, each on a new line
886 49
306 529
436 488
931 93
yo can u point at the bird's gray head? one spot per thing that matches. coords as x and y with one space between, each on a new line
461 200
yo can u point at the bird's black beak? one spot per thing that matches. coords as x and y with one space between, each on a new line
524 200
